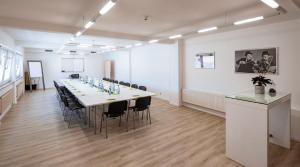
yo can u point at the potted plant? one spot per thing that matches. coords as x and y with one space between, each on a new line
260 82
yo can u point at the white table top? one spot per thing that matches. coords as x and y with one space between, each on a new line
266 98
92 96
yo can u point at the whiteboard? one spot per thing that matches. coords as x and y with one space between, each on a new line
35 69
72 65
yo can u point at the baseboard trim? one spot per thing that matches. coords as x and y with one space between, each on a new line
206 110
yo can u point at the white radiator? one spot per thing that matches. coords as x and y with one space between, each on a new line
208 100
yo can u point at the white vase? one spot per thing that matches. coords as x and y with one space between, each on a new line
259 89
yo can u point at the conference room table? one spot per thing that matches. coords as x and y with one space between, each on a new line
91 97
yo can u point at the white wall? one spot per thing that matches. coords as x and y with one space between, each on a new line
6 40
223 79
94 66
149 65
120 64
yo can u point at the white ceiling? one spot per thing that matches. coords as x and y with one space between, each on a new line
46 40
51 23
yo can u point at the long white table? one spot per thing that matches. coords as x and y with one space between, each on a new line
91 97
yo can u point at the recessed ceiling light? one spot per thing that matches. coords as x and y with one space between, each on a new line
273 4
153 41
175 36
138 44
108 47
107 7
89 24
249 20
207 29
84 45
78 33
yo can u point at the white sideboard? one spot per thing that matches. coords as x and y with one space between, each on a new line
252 122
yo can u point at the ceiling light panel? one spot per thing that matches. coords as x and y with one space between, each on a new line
249 20
207 29
110 4
273 4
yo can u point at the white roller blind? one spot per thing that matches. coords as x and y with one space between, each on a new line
72 64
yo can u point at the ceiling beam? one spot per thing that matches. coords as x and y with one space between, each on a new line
56 28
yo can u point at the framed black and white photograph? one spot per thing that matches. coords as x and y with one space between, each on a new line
257 61
205 60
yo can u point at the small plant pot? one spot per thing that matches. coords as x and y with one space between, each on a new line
259 89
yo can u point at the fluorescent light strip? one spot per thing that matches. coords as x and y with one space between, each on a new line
207 29
128 46
110 4
273 4
138 44
153 41
249 20
89 24
78 33
175 36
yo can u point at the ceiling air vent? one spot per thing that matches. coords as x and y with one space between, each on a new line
72 51
48 50
93 52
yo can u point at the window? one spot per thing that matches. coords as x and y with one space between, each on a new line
19 65
11 64
7 67
2 63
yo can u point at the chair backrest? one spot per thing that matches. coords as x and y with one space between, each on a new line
127 84
134 86
116 81
55 84
117 109
143 88
74 76
142 103
121 82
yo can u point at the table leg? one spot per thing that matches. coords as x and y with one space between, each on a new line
89 117
127 116
95 120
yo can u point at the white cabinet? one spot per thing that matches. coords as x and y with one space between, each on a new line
252 122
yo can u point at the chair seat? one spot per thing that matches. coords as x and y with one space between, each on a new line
75 106
113 115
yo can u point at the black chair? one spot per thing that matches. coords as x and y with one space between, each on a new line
115 81
127 84
71 107
74 76
121 82
142 104
143 88
116 109
135 86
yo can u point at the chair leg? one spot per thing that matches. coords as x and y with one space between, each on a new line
127 120
106 126
149 115
69 125
101 122
142 115
133 120
120 121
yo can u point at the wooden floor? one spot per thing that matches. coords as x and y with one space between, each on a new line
34 134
